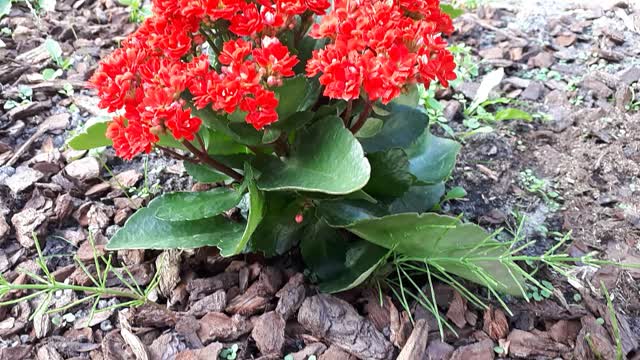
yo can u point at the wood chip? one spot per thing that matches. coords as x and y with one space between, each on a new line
218 326
495 324
268 333
291 296
416 346
528 345
199 288
482 350
336 321
215 302
457 310
210 352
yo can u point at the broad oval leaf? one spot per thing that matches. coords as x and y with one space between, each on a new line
418 199
342 213
325 158
402 126
278 231
257 209
442 239
295 94
432 158
338 263
143 230
185 206
390 176
204 174
91 137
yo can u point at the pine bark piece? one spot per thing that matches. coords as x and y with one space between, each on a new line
416 346
336 321
215 302
268 333
258 295
482 350
311 349
496 324
210 352
523 344
199 288
218 326
291 296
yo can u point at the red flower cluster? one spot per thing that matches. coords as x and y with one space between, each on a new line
145 80
376 45
381 46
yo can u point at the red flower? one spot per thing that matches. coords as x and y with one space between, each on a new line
318 6
246 22
130 139
181 123
261 108
275 57
234 51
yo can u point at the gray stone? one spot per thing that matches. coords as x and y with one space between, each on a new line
533 92
23 178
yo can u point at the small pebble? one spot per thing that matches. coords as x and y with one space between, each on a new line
106 325
69 317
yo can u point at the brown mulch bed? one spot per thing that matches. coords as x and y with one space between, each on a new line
268 308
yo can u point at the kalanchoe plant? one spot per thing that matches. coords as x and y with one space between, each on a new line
308 111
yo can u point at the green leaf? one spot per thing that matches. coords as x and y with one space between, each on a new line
342 213
54 49
512 114
453 12
402 126
294 122
390 176
338 263
418 199
204 174
457 192
5 7
92 136
270 135
50 74
221 144
432 158
238 131
186 206
442 239
371 127
143 230
295 94
278 231
321 157
410 98
257 209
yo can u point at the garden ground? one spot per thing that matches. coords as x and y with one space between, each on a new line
573 171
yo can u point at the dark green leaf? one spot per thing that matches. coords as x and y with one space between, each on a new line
185 206
410 98
295 94
418 199
402 126
257 210
270 135
221 144
238 131
278 230
144 230
431 158
92 136
338 263
343 213
390 176
371 127
294 122
204 174
437 237
319 160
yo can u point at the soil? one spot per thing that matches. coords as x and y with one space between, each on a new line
574 169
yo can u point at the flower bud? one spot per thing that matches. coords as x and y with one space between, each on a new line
299 218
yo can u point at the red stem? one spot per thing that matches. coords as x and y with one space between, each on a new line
206 159
362 118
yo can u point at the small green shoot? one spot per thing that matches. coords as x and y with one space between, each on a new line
230 353
542 188
614 321
46 285
67 90
55 52
25 93
137 11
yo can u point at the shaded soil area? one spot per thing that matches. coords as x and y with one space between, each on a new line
573 169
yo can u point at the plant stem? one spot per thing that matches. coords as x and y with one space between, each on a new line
362 118
210 40
63 286
174 154
206 159
347 113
